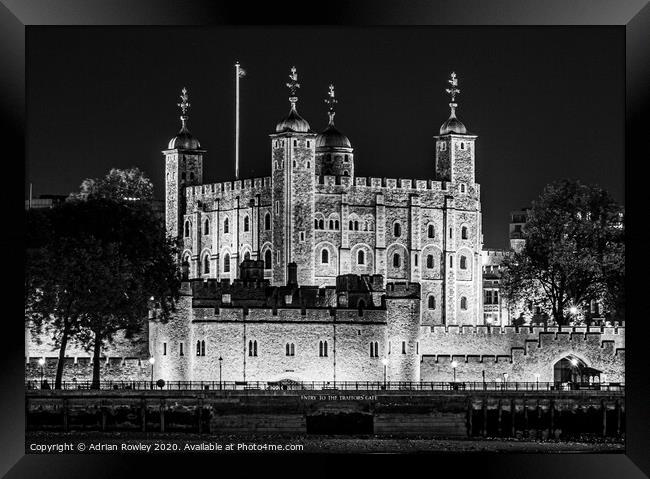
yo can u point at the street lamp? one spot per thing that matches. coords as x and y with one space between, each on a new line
537 380
505 380
385 363
151 361
41 363
220 360
454 365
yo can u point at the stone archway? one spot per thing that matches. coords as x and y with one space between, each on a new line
574 370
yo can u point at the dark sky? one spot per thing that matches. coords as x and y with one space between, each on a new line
547 103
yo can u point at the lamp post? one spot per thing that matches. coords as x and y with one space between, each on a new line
385 363
454 365
537 380
505 380
220 360
41 363
151 361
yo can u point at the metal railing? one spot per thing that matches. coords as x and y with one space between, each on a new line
326 386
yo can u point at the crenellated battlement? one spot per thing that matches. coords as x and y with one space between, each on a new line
380 183
243 186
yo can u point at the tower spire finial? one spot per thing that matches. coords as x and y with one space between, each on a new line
331 101
293 85
184 105
453 91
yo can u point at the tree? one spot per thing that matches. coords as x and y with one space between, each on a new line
574 250
129 185
95 265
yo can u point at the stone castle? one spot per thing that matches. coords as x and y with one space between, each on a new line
316 274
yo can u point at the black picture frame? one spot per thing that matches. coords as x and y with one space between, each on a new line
632 15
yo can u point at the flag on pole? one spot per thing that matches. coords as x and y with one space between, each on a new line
242 72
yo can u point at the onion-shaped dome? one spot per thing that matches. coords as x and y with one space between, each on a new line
184 140
331 137
293 122
453 125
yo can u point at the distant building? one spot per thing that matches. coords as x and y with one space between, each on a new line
44 201
495 308
517 228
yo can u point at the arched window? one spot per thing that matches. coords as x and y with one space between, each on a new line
346 173
183 176
226 263
463 303
246 223
198 348
361 257
252 348
374 349
206 264
415 258
187 229
431 231
321 224
351 225
432 302
463 232
397 260
322 349
309 162
325 257
267 259
430 261
267 221
397 230
225 226
315 223
336 224
463 262
202 348
356 226
206 227
331 224
287 350
247 256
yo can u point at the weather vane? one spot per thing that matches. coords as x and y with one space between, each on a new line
184 104
331 101
293 85
453 91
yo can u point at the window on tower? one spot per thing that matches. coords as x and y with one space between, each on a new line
432 302
361 259
463 262
397 260
187 229
267 221
226 228
430 261
267 259
397 230
463 303
246 223
324 257
226 263
206 227
206 264
431 231
463 232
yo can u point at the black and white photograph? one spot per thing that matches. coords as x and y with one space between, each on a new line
326 239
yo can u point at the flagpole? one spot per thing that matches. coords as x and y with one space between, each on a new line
237 120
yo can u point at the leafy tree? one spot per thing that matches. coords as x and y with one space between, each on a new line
95 264
129 185
574 250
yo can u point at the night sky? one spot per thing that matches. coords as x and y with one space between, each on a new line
546 103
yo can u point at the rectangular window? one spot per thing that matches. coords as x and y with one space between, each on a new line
403 347
451 261
181 349
450 233
302 236
417 347
277 257
495 297
277 207
164 349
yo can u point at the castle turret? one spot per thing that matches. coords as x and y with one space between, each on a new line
403 331
294 181
454 145
334 153
183 167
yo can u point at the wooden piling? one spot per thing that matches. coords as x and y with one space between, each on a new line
162 415
143 413
513 412
604 413
484 407
499 417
